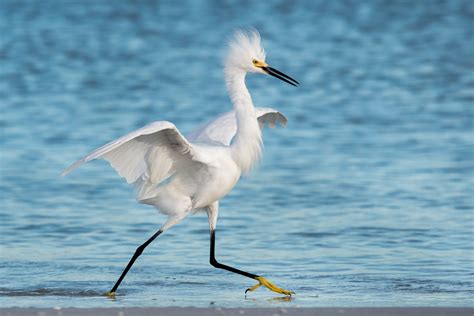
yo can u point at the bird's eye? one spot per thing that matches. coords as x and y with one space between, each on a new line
255 61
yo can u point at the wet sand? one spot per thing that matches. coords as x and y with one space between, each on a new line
182 311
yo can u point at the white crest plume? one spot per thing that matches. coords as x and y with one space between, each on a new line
243 48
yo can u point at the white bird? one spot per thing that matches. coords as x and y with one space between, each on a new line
179 175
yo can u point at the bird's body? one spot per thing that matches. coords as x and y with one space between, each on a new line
195 188
179 175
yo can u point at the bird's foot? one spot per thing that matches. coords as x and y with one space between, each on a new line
269 285
110 294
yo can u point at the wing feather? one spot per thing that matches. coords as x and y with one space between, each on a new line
222 129
149 154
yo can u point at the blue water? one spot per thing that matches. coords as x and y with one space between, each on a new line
365 199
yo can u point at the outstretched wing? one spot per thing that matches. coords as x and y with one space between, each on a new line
149 154
222 129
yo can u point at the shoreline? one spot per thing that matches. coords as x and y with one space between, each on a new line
182 311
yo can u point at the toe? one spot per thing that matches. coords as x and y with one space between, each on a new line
274 288
110 294
253 288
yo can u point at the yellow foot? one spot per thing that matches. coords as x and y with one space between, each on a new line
269 285
110 294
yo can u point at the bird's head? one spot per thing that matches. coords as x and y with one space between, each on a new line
246 54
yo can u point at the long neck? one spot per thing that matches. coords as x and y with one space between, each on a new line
246 146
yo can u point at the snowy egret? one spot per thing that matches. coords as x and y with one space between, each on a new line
178 175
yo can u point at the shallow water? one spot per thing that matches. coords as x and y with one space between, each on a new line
365 199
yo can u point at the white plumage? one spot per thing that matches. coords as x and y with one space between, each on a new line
179 175
155 152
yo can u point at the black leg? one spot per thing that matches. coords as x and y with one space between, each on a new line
137 253
218 265
261 280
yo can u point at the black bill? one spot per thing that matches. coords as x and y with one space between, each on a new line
278 74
